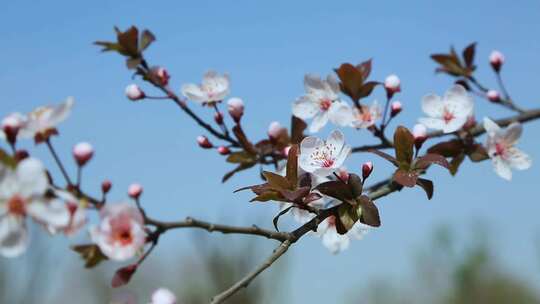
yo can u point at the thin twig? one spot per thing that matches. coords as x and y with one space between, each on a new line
58 161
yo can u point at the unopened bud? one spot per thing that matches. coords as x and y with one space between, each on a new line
236 108
11 125
134 93
223 150
343 173
218 117
392 84
160 76
367 168
420 135
275 129
106 186
135 191
83 152
496 59
163 296
395 108
493 96
204 142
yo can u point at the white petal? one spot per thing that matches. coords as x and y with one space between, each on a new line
432 105
335 242
54 212
458 95
318 122
342 156
502 168
432 123
337 140
455 124
307 146
323 172
13 236
31 177
333 84
512 133
340 114
491 127
194 92
358 231
305 108
61 112
518 159
313 82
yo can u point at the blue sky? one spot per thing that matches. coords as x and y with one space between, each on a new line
267 47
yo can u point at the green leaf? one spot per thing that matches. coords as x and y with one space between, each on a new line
427 185
292 166
336 189
241 157
405 178
91 254
404 145
369 213
146 39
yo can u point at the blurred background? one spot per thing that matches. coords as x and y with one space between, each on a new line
476 241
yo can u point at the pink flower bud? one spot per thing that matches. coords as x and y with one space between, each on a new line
275 129
493 96
133 92
160 76
218 117
395 108
163 296
223 150
236 108
11 125
83 152
106 186
367 168
496 59
420 135
392 84
204 142
343 173
135 191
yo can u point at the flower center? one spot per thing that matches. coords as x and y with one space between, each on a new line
500 149
325 104
123 236
323 156
448 116
16 205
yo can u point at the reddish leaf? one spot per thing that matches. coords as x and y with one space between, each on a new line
292 166
351 80
449 148
429 159
455 163
336 189
347 217
468 55
129 40
355 184
365 69
146 39
276 181
91 254
427 185
477 153
405 178
367 88
123 275
244 142
404 145
296 196
241 157
297 129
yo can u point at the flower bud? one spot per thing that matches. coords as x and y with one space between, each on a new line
135 191
163 296
218 117
134 93
204 142
367 168
420 135
275 129
106 186
236 108
395 108
11 125
343 173
160 76
83 152
392 84
496 59
223 150
493 96
21 155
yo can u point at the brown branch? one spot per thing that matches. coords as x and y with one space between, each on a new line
476 131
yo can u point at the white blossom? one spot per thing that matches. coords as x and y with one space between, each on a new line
163 296
46 118
449 113
213 88
321 102
323 158
500 147
336 242
367 117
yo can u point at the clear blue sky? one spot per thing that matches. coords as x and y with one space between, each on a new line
267 47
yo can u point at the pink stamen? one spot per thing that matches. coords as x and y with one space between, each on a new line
325 104
448 116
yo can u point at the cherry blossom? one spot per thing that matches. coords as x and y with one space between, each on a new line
321 102
11 126
120 234
77 214
336 242
449 113
43 120
21 195
367 117
500 147
214 88
322 158
163 296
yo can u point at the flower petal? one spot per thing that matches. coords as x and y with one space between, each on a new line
518 159
52 213
318 122
502 168
194 92
340 114
335 242
432 105
31 177
13 236
432 123
512 133
491 127
305 108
